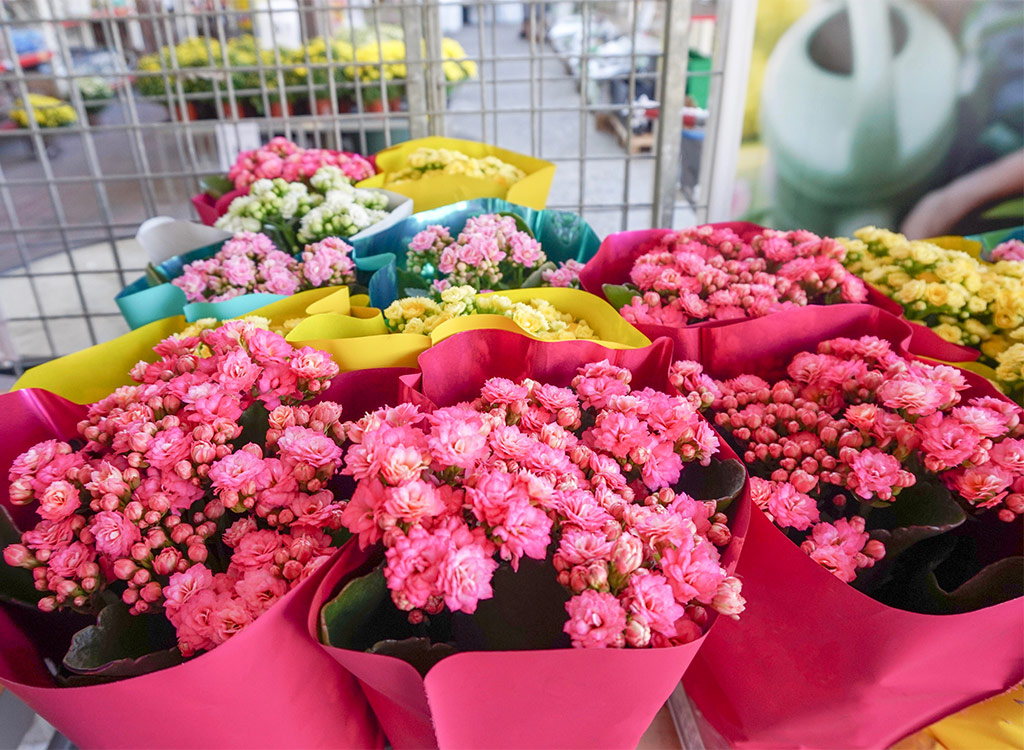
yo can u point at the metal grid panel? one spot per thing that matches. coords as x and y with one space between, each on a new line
71 195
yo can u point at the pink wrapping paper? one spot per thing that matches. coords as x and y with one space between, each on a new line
813 662
618 253
555 698
270 686
210 209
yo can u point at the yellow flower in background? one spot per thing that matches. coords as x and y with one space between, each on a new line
964 299
46 111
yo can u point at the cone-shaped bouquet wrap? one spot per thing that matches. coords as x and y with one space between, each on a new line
614 274
440 189
107 365
931 627
502 674
159 293
268 686
360 339
564 238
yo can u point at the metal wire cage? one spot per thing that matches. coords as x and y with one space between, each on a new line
158 94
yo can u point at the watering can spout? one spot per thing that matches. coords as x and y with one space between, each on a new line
875 140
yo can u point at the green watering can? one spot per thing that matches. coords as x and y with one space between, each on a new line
857 109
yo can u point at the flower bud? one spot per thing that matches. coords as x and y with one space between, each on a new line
197 553
19 556
140 551
48 604
292 570
638 632
628 554
125 568
151 592
166 562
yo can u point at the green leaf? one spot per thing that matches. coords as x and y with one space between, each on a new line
409 281
154 276
343 616
419 652
254 425
216 185
122 645
619 295
917 586
521 224
531 598
920 512
536 278
721 481
16 584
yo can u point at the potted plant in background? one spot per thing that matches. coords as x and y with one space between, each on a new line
96 93
320 73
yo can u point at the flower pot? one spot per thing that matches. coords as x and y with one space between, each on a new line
376 105
237 113
279 108
395 105
323 106
188 113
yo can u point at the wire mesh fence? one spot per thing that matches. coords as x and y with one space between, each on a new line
158 94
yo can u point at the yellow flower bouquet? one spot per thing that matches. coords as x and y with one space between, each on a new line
438 171
46 111
964 299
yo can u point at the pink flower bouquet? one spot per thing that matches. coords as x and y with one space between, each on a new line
279 158
889 491
188 519
673 283
533 524
250 262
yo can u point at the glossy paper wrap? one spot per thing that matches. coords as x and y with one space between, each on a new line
361 340
271 686
563 236
618 253
143 302
210 209
554 698
441 190
813 662
90 374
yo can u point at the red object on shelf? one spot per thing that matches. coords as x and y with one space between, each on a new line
29 60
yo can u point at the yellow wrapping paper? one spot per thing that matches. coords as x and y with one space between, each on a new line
359 341
993 724
91 374
442 190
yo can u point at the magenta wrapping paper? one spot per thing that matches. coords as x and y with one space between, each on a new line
813 662
555 698
210 209
270 686
618 253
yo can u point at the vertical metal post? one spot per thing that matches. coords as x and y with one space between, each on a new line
672 95
727 102
416 94
437 97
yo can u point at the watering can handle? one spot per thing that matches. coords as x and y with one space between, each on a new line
874 137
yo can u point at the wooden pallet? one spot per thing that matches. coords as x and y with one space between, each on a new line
611 123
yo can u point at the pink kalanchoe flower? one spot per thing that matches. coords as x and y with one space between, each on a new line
596 620
114 533
791 508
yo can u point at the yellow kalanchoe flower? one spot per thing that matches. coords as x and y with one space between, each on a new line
46 111
964 300
538 317
428 162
